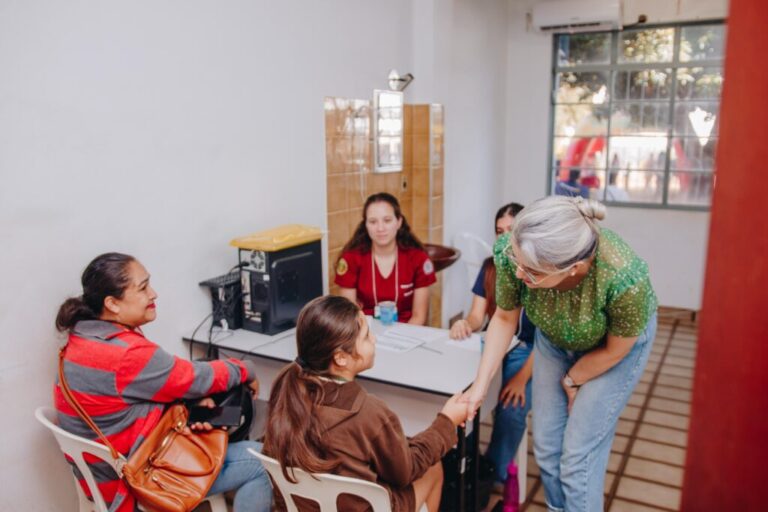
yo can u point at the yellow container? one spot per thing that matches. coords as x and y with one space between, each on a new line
276 239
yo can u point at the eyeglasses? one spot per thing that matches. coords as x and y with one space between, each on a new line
531 277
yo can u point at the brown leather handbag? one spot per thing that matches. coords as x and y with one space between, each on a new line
174 468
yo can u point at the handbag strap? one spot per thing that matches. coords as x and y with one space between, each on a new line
72 401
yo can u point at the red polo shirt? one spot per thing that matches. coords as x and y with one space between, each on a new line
414 268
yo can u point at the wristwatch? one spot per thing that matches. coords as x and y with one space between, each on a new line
568 381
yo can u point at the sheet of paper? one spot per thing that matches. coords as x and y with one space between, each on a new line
417 332
396 343
473 343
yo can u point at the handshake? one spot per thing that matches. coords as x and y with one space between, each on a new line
461 407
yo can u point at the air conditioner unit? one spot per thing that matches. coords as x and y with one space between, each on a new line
570 16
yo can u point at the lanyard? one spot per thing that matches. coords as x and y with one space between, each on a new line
373 276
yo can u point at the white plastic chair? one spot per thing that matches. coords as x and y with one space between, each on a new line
76 447
474 250
324 488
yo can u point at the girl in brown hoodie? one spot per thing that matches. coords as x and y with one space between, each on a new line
322 421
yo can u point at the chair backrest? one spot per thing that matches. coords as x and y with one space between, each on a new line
323 488
474 250
76 447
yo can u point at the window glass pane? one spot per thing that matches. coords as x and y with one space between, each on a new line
646 45
690 188
645 84
640 118
581 152
581 119
630 186
697 119
699 83
576 49
390 151
693 153
700 42
586 87
625 186
574 182
644 153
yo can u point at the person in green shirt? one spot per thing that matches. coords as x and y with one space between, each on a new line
594 308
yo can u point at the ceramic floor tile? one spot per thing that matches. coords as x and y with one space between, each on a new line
630 412
673 406
642 387
672 393
679 382
677 371
637 399
683 344
625 427
663 435
649 493
652 366
619 444
625 506
656 471
665 419
681 352
614 460
532 469
647 376
685 362
658 452
654 357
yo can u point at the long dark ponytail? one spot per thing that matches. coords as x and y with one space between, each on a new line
293 435
106 275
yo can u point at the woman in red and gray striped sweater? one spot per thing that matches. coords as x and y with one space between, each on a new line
124 381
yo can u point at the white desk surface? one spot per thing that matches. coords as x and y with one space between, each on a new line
437 367
414 384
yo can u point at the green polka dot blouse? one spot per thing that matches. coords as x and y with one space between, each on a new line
614 297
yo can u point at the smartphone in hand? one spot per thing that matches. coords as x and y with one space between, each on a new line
219 416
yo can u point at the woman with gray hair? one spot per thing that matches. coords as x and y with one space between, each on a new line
591 300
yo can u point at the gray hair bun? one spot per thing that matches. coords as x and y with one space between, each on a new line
590 208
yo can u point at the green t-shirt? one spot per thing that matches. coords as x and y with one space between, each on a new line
614 297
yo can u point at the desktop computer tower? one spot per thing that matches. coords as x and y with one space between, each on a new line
277 284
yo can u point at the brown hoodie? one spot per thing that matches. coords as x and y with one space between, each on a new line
369 442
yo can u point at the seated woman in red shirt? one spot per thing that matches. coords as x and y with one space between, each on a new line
384 261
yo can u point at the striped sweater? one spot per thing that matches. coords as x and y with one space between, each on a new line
123 381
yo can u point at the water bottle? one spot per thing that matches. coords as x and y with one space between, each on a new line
511 490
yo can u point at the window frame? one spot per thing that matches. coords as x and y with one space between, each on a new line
612 67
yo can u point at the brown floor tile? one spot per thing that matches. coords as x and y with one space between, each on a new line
609 477
647 376
663 434
532 469
681 352
683 344
654 357
672 393
673 406
626 506
648 493
656 471
679 382
625 427
677 371
619 444
657 349
685 362
642 387
637 399
630 412
658 452
666 419
614 460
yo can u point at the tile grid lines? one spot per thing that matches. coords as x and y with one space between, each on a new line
633 436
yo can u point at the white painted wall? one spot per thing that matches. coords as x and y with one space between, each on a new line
164 128
672 242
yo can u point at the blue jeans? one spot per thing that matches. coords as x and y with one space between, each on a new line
244 473
509 422
572 450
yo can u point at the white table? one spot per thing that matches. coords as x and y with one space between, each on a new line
414 384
